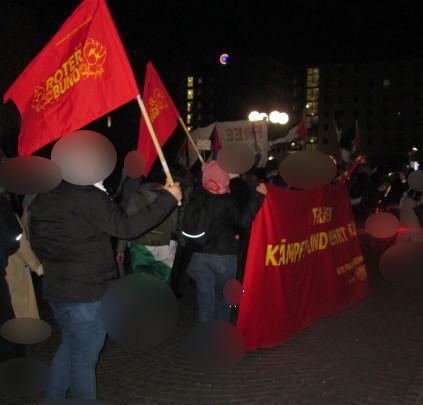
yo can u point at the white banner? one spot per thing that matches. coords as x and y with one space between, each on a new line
253 134
204 144
197 135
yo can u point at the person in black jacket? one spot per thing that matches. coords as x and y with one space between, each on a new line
71 228
216 263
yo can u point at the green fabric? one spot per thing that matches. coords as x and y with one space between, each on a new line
142 261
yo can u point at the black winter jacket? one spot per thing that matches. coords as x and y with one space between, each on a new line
10 229
71 228
229 220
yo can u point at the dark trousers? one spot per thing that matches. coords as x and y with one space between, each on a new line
242 258
180 264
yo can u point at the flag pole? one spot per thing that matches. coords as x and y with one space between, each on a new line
304 118
181 121
156 142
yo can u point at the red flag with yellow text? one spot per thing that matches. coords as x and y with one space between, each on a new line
163 116
304 262
80 75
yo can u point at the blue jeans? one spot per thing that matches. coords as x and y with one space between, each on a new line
211 272
83 337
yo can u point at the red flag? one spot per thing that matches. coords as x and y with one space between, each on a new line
163 116
80 75
297 132
300 267
351 168
215 138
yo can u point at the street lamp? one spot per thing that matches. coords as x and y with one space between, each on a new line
275 117
254 116
412 155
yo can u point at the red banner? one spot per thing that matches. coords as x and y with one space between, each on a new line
304 262
163 116
80 75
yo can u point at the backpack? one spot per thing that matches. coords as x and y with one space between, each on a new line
197 230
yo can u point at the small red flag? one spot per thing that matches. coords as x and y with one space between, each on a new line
345 175
80 75
215 138
163 116
297 132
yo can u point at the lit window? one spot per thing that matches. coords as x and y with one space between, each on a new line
190 81
189 106
190 94
189 118
312 77
386 84
200 80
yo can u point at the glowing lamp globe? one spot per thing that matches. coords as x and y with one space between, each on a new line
254 116
274 117
283 118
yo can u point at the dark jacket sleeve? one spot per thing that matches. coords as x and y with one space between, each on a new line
112 219
243 219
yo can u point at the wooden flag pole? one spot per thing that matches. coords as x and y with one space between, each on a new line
156 142
181 121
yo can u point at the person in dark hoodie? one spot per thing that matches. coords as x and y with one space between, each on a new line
213 264
71 228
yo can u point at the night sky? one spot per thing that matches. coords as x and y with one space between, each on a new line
177 34
173 32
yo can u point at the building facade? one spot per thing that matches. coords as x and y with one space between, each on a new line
382 97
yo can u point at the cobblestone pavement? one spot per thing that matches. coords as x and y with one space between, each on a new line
371 353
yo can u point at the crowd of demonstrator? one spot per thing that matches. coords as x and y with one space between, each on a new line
78 239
